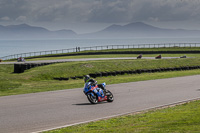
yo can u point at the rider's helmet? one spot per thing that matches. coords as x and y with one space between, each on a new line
87 77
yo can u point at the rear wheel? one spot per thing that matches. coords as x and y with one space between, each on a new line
92 98
109 96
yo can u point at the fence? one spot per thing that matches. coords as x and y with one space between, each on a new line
95 48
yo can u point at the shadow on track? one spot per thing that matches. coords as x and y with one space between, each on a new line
82 104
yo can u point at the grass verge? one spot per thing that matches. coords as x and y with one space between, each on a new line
13 84
76 54
71 69
41 79
110 56
179 119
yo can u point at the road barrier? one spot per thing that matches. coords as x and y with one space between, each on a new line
96 48
20 68
139 71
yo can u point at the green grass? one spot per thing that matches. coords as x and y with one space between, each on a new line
27 86
179 119
83 68
66 55
111 56
41 79
159 49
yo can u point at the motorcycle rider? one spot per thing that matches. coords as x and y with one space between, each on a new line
94 82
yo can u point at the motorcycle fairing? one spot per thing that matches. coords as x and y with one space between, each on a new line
88 88
102 99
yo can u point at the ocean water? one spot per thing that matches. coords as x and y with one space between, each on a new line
10 47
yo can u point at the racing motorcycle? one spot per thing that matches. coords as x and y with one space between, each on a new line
20 59
96 94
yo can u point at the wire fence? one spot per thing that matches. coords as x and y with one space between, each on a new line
96 48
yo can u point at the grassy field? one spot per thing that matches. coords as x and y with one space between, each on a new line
66 55
111 56
159 49
179 119
83 68
41 79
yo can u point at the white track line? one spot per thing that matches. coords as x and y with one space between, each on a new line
127 113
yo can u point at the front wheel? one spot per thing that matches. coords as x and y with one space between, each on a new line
92 98
109 96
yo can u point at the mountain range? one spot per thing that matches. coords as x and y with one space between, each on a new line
139 29
132 30
24 31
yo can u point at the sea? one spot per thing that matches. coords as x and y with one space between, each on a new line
10 47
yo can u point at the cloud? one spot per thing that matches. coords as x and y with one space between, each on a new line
164 10
145 10
13 8
5 18
110 11
60 10
21 19
99 11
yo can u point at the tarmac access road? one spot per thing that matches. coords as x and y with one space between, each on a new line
83 59
47 110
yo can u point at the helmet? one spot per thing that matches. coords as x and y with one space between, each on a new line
87 77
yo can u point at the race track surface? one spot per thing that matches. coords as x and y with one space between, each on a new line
84 59
47 110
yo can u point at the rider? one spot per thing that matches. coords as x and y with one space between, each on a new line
94 82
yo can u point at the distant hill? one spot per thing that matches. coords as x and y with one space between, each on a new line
132 30
24 31
139 29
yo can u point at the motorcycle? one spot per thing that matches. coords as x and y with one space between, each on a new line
96 94
20 59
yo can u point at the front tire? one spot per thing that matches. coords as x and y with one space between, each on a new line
92 99
109 96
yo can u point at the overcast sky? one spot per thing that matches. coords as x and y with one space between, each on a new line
91 15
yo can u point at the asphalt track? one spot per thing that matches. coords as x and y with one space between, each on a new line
83 59
47 110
